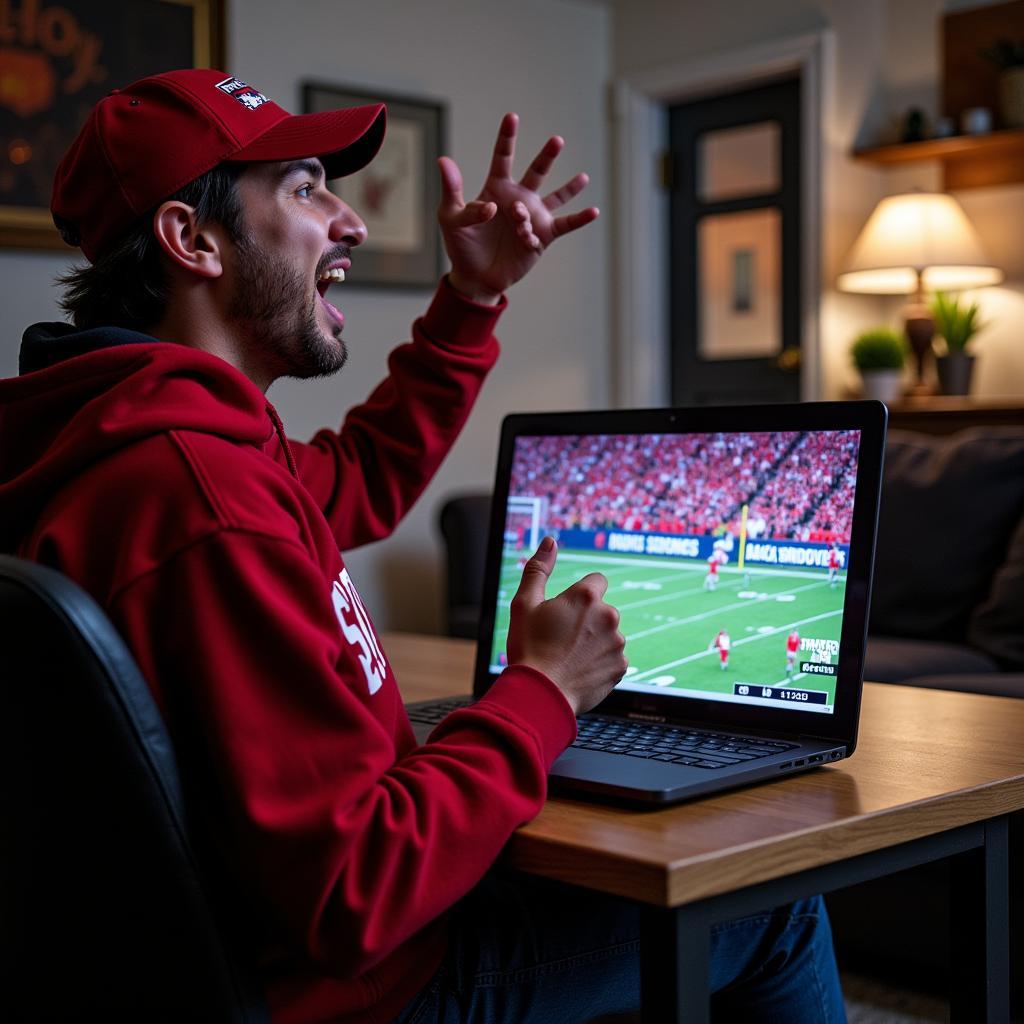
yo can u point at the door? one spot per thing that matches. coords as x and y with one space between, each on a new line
734 205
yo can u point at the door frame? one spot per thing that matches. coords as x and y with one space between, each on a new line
640 128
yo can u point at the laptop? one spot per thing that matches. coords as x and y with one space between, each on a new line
738 544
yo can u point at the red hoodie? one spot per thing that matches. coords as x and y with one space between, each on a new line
159 478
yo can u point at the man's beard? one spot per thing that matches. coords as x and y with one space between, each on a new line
266 300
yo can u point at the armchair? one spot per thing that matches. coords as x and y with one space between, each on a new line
107 910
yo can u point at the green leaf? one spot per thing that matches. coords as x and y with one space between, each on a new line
955 322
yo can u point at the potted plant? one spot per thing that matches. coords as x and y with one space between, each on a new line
879 355
1008 57
956 323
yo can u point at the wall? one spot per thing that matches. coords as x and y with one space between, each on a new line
887 59
546 59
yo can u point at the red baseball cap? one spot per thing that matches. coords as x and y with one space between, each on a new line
144 142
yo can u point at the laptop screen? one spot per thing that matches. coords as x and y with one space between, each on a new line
726 554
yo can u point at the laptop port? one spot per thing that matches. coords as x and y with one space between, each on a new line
799 764
785 764
815 757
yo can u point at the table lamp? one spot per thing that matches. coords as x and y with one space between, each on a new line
913 243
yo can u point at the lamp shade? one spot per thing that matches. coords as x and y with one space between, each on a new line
917 238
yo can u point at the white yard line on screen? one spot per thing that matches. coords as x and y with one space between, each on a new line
737 643
674 595
717 611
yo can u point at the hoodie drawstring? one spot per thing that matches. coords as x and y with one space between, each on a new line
279 428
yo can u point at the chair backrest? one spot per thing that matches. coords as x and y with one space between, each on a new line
105 911
464 521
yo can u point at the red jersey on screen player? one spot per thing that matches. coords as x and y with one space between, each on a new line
723 642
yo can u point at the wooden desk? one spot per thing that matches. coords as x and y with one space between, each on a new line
936 775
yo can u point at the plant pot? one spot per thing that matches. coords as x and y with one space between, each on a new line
1011 97
955 370
882 385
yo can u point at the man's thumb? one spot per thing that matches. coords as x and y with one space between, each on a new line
536 573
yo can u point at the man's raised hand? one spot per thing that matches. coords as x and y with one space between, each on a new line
494 240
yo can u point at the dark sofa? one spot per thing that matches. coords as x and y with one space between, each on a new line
948 604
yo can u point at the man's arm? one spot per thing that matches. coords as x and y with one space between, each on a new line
367 476
337 825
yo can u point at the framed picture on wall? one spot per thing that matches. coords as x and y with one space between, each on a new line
57 61
397 194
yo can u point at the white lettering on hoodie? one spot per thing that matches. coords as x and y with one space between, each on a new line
357 630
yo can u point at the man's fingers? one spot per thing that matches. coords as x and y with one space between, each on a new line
571 221
593 586
520 214
528 238
451 183
535 575
538 170
505 147
571 189
476 212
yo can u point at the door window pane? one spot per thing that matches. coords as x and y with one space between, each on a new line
734 162
739 285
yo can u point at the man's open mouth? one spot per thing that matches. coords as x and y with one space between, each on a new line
332 275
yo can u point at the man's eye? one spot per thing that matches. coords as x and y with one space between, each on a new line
305 191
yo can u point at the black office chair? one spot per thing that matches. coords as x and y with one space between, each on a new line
464 521
106 912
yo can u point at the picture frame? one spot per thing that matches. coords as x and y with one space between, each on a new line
397 194
62 59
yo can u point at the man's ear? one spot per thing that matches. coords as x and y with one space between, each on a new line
197 250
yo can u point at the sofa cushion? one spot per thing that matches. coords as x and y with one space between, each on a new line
950 506
893 659
997 625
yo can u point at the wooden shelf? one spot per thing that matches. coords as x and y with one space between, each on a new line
945 414
968 161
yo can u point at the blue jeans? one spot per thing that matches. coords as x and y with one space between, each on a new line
526 951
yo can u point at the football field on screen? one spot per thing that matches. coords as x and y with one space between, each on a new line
669 619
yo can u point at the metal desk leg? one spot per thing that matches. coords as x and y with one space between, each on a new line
980 930
675 956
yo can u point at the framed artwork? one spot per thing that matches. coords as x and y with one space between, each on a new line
397 194
57 60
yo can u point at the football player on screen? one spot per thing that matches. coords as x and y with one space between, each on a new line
792 646
834 558
723 642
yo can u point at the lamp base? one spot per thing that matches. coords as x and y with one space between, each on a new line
920 328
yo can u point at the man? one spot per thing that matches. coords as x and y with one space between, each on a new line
150 467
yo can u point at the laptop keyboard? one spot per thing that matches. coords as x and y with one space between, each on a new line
698 748
678 744
432 713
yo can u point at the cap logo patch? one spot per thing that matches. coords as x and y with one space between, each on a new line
249 97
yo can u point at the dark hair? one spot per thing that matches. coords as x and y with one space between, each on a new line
127 285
